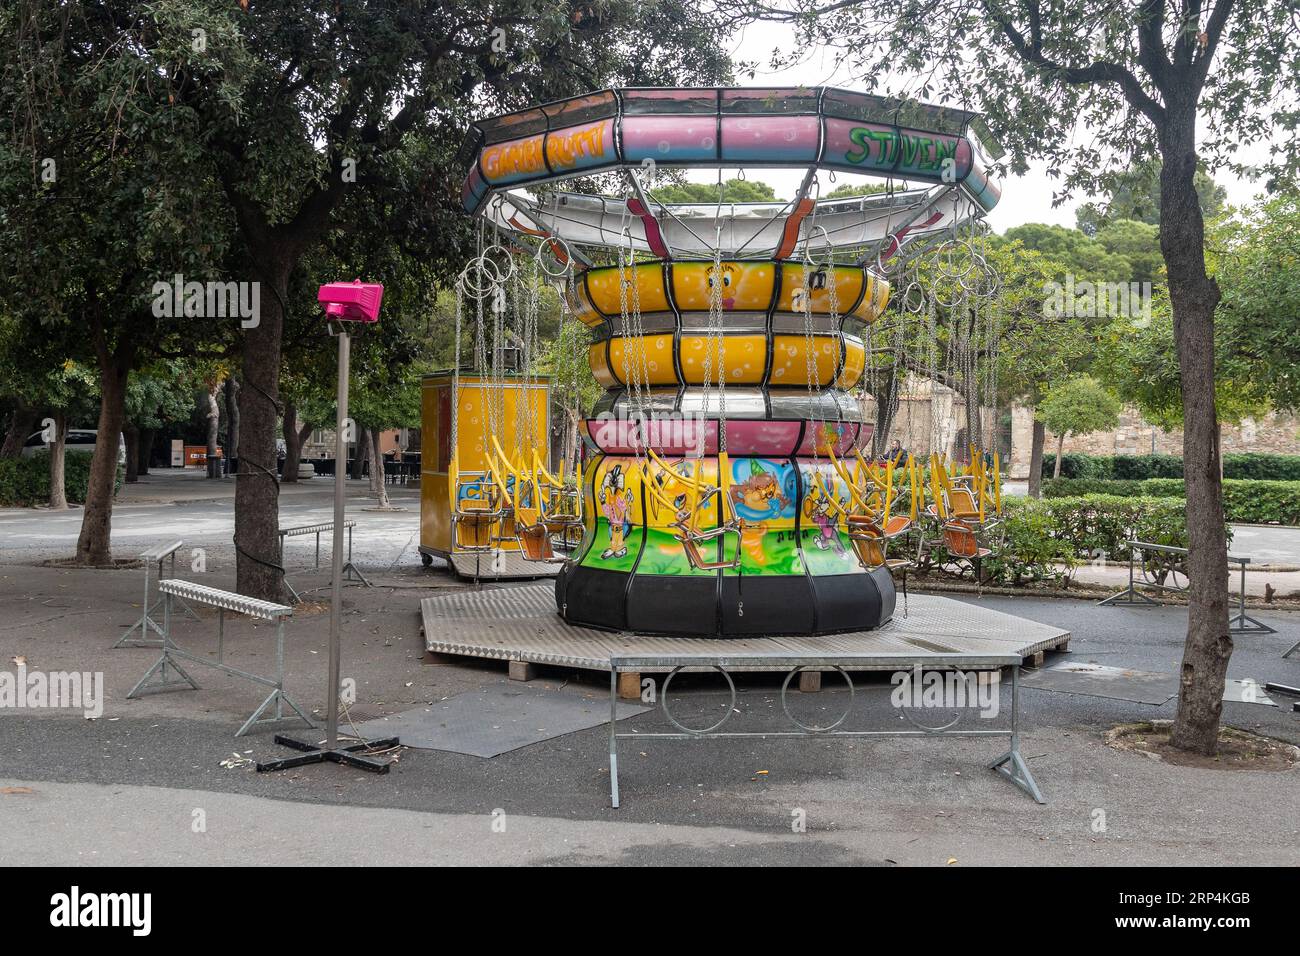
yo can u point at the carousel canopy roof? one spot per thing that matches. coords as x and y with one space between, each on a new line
513 158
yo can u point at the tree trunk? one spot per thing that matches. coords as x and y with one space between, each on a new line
94 545
1036 459
378 487
58 488
231 455
213 414
294 436
362 453
145 451
885 411
21 424
1060 450
1194 296
259 572
132 436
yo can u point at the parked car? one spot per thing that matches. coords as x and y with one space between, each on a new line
77 439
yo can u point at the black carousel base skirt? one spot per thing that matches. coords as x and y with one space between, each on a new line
726 604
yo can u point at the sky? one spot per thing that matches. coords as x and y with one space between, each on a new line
1026 198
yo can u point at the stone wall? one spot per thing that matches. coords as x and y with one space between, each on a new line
1272 433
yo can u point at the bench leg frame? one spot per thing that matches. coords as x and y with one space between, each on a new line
146 620
170 654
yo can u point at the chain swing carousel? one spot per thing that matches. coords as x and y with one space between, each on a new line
732 488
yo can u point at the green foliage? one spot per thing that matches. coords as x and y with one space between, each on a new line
1134 194
1139 244
733 190
1032 551
1073 251
1254 465
26 481
1263 467
161 394
1047 539
1079 406
1139 361
848 190
1256 258
1246 501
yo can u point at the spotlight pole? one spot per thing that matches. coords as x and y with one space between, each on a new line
351 755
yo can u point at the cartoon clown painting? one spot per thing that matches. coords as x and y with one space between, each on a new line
616 505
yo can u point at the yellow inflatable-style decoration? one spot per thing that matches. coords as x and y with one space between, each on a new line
748 288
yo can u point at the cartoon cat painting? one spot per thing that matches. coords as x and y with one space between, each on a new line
759 492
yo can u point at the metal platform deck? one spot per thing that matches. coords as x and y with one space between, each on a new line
520 624
493 566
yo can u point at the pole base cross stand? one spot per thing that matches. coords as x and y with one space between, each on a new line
348 756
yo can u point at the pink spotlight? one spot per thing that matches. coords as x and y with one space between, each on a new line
351 301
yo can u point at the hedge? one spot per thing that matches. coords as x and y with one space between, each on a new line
1251 502
1251 466
1047 539
26 481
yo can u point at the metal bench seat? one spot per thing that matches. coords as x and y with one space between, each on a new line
149 558
223 601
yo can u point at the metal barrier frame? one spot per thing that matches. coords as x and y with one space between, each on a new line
223 601
1240 623
349 569
156 554
1010 765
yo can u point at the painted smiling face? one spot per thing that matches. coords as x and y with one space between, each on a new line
730 276
744 286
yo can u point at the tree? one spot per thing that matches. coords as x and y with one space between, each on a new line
733 190
156 395
343 116
1138 243
1257 262
1144 71
849 190
1138 360
1073 252
1134 193
1077 406
100 196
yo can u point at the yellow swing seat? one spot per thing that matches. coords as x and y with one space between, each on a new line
685 520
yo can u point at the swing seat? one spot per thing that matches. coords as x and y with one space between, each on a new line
535 544
558 524
475 520
871 542
962 506
962 542
691 541
870 550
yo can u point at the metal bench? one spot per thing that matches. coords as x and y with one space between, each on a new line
350 572
223 601
155 555
1010 765
1240 623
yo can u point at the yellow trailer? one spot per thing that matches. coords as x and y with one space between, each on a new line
454 522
